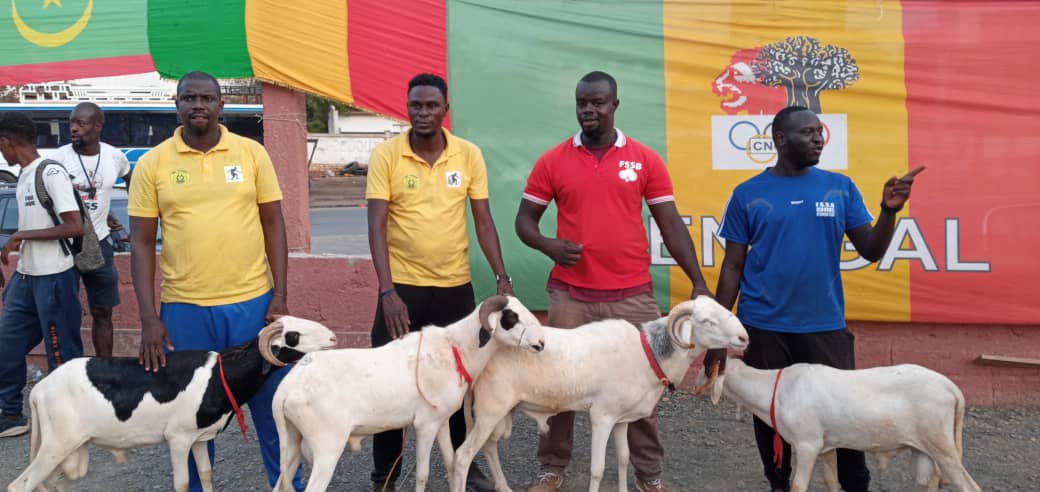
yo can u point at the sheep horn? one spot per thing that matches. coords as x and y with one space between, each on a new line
680 313
264 339
492 304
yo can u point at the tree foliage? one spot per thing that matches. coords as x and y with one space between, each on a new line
318 113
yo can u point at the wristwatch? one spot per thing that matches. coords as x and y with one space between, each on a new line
499 278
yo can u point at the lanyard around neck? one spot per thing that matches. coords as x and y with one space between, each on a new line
89 177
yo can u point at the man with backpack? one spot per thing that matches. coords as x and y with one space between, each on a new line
42 300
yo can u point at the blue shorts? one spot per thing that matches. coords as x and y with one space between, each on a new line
102 285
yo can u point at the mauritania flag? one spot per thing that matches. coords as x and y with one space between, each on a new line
44 40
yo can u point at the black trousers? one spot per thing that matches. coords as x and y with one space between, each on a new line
774 350
426 305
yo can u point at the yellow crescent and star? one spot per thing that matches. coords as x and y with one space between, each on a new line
51 39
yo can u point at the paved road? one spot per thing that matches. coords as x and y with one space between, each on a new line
339 230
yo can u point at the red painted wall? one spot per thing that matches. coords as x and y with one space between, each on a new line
341 292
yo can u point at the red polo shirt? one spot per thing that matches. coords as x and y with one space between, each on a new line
600 206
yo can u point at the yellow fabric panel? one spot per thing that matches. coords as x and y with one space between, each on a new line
704 47
301 45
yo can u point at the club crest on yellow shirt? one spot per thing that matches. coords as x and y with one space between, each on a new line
180 177
411 181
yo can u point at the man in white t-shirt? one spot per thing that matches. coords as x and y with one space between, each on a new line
42 301
94 167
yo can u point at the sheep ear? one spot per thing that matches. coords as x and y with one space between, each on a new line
716 389
483 337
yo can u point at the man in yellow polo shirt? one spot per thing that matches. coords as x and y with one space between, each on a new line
417 187
224 254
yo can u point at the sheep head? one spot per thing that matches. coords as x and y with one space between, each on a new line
704 323
288 338
519 326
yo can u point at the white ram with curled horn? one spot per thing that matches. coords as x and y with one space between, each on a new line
600 368
117 405
341 396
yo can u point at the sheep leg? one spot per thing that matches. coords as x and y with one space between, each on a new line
326 456
200 453
44 464
447 452
486 419
806 454
621 449
491 453
179 459
947 460
424 436
600 433
289 439
830 470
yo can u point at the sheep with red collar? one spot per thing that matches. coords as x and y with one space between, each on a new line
341 396
881 410
115 404
604 368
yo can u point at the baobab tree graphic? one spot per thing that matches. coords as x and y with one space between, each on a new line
805 68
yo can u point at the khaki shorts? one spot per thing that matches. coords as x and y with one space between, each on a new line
566 312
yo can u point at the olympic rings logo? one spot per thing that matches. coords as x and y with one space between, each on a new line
757 143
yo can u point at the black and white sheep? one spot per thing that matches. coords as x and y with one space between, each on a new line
116 405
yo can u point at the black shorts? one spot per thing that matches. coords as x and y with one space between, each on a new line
773 349
439 306
102 285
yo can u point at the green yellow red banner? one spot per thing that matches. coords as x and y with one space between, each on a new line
897 84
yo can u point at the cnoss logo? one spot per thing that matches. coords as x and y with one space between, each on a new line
760 81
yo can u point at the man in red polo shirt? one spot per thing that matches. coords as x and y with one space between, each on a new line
599 179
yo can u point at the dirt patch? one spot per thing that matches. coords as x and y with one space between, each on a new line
706 449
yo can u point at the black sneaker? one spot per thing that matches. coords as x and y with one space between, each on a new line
13 425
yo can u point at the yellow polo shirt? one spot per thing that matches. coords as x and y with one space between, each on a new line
207 204
426 226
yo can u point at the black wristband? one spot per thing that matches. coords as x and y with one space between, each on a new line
886 208
387 292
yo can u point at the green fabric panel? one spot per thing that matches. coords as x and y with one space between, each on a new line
111 29
204 35
512 69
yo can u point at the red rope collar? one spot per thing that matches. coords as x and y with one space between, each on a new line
653 363
459 367
778 442
234 404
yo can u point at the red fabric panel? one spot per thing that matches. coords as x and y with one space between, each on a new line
972 115
75 69
389 42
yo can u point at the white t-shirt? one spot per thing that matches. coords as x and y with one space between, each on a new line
43 257
101 170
